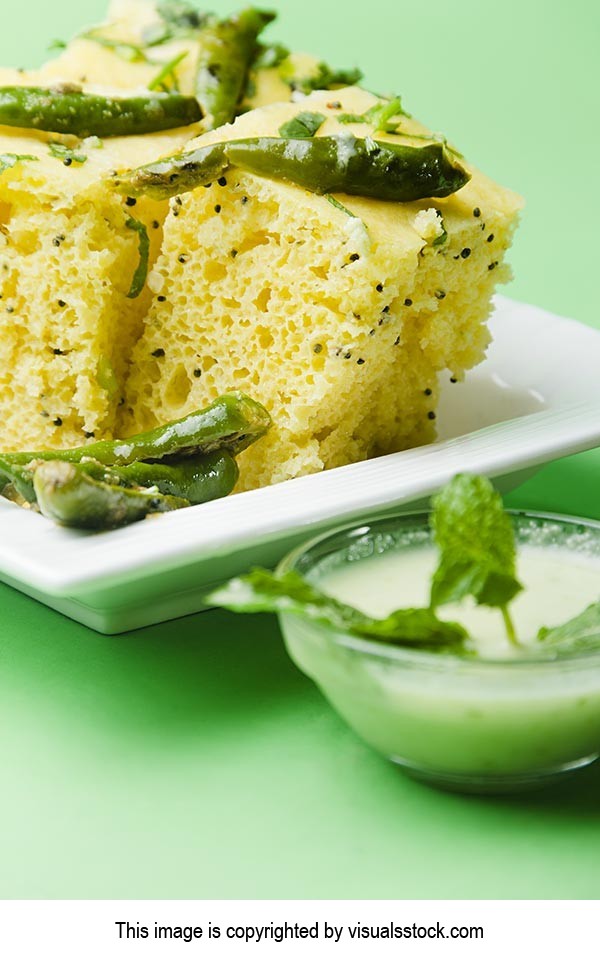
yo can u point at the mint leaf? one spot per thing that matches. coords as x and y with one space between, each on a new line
141 272
303 126
415 628
260 590
581 633
66 154
476 542
8 161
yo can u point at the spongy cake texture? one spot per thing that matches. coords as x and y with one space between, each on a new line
339 321
67 254
67 260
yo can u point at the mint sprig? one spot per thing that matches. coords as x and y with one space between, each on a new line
477 547
477 558
261 590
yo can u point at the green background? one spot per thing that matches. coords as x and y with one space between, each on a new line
191 760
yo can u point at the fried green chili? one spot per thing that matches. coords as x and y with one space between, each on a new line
66 109
174 175
232 422
111 483
324 165
67 494
226 51
205 477
352 165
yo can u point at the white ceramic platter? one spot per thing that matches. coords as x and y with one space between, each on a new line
534 399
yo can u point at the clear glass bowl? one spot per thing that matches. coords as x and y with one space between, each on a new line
465 724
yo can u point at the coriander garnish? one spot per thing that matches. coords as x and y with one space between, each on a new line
302 126
141 272
335 203
131 52
68 155
269 56
379 116
166 78
322 78
8 161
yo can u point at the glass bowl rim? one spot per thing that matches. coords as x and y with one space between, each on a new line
431 659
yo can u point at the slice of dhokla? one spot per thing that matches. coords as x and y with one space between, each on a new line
338 318
69 309
70 246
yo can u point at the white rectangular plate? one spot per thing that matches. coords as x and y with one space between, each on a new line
535 398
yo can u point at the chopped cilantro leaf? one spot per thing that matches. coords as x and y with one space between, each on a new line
131 52
141 272
166 78
379 116
181 15
302 126
335 203
66 154
8 161
270 56
323 77
443 237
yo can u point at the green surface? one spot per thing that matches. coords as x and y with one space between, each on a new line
192 759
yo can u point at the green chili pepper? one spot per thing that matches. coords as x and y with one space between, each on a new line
226 51
352 165
205 477
325 165
67 494
232 422
65 109
19 475
174 175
